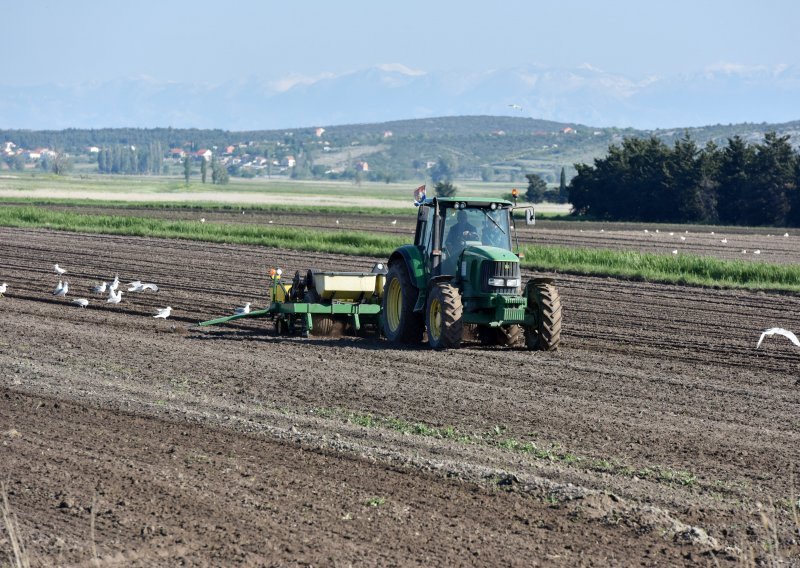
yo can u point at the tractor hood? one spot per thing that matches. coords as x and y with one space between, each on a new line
485 252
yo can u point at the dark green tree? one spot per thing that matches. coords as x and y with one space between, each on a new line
563 194
536 189
445 189
444 169
187 169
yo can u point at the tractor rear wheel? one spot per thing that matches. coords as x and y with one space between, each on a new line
508 336
545 303
400 323
444 317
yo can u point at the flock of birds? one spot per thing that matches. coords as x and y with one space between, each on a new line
112 288
114 293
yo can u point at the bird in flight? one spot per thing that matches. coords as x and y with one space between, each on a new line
515 106
58 269
163 313
778 331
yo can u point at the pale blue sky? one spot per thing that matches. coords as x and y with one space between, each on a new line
204 41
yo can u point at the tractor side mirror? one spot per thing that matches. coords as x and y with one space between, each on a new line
530 216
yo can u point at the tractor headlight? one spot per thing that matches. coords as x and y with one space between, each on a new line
503 282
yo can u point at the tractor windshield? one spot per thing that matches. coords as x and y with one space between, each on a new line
475 226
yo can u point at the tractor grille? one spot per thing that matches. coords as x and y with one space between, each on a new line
503 269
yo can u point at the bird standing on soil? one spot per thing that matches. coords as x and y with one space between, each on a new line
779 331
132 287
115 284
81 302
62 290
148 286
58 269
394 222
163 313
100 288
114 298
243 310
3 288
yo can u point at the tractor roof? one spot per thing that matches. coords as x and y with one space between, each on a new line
470 201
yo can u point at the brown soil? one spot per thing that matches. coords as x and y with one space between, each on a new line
217 446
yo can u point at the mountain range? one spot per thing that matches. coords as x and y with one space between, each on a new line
724 94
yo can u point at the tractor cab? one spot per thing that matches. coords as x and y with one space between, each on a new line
449 228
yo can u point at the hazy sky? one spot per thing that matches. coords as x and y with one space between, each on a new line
205 41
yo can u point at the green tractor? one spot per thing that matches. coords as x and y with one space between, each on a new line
461 277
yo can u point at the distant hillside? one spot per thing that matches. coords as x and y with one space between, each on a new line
493 148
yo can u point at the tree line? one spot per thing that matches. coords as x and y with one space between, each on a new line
643 179
130 159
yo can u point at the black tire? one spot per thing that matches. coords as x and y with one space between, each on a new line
545 303
399 322
322 325
443 317
280 327
508 336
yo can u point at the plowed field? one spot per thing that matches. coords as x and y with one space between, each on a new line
661 435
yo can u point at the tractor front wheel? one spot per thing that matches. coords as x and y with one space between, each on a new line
400 323
545 303
444 317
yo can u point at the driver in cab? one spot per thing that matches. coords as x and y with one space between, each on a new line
459 234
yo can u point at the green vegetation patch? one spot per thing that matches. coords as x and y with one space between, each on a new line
496 438
344 242
681 269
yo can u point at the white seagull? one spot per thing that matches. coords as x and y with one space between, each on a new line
82 302
243 310
3 288
779 331
163 313
683 238
148 286
100 288
114 298
62 290
115 284
394 222
675 251
133 285
58 269
724 241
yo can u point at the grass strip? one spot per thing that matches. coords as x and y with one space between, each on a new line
344 242
200 206
496 438
681 269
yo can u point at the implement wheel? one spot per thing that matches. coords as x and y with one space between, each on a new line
444 317
508 336
545 303
400 323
